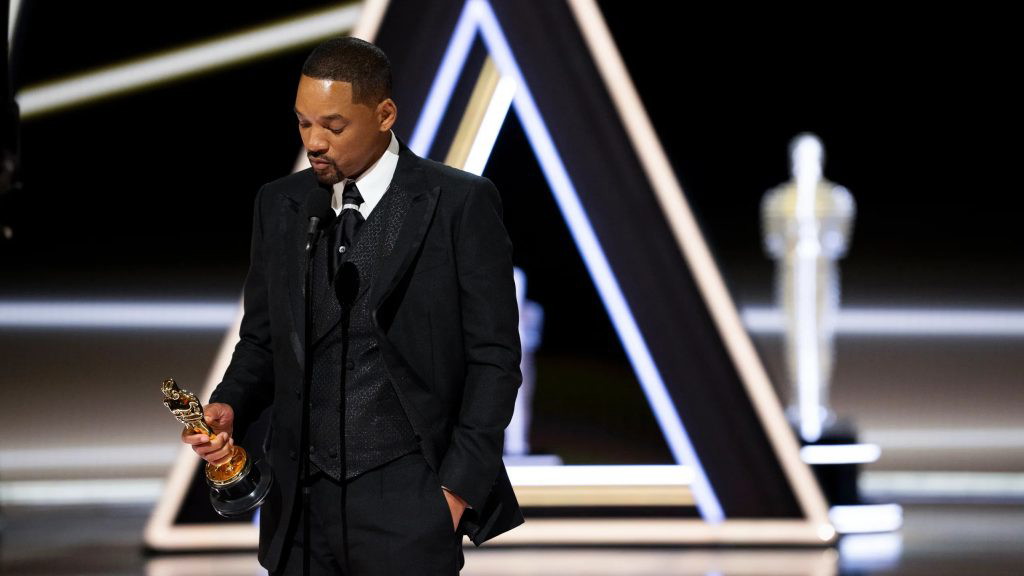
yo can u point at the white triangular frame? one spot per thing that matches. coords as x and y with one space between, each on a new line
814 528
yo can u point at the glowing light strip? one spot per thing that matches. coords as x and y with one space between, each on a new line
38 459
81 314
840 453
650 531
444 83
215 563
994 485
866 518
12 21
902 322
117 315
61 492
51 96
1004 438
618 475
605 561
478 14
870 553
487 135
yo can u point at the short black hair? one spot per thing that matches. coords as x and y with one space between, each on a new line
349 59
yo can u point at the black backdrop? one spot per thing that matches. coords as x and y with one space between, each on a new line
916 112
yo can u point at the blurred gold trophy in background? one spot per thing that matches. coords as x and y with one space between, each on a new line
237 485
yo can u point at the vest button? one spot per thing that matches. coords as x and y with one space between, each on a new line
312 449
292 454
350 364
298 393
341 249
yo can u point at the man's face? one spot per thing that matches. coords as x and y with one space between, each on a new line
342 138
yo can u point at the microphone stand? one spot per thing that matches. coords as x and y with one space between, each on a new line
307 386
346 304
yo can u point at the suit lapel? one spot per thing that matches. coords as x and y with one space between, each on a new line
422 200
295 265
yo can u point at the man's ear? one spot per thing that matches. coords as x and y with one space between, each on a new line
387 112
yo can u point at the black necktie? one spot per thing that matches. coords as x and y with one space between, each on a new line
348 224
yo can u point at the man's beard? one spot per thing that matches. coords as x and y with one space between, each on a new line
329 176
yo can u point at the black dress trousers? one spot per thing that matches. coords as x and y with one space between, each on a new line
388 521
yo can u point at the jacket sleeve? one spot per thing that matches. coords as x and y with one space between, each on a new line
490 327
248 385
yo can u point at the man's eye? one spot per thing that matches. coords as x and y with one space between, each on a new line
338 131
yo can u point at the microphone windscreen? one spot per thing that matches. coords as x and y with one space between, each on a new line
318 204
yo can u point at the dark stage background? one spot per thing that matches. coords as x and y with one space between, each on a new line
917 122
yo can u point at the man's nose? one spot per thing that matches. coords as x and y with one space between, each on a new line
317 145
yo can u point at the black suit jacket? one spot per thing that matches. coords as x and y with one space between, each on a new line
444 309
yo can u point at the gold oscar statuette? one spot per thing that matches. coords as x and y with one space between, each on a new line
237 484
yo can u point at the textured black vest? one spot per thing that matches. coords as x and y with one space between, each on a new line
377 429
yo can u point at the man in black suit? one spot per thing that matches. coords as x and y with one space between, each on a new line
416 347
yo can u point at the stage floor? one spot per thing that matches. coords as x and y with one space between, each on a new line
936 540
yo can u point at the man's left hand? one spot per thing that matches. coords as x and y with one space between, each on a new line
457 506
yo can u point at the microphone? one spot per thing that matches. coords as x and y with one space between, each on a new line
317 210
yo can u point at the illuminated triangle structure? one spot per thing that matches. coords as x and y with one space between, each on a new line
555 64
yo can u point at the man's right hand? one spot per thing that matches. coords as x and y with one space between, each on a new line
220 417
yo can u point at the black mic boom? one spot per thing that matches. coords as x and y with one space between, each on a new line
318 213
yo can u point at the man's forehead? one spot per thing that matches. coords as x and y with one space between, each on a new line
325 87
325 98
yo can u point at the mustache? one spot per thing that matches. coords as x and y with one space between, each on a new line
321 158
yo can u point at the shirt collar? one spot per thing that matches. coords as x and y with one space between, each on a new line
373 182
